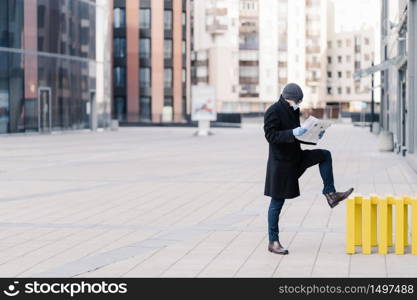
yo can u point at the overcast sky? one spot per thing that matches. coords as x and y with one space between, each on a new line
351 14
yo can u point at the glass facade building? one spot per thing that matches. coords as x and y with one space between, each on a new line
54 65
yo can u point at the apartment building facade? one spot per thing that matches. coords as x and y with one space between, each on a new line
151 60
348 52
235 50
257 47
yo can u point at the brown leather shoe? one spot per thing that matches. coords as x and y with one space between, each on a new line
335 198
276 247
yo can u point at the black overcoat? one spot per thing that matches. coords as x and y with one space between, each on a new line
286 160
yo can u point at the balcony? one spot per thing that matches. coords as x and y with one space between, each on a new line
312 81
216 28
312 65
216 25
249 80
216 11
313 49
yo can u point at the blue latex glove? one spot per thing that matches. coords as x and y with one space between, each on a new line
321 134
299 131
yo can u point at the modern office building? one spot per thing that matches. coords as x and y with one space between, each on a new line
348 52
54 65
150 60
399 75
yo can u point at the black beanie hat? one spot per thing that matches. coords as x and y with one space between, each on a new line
292 91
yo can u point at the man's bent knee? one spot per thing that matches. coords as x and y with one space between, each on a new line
327 154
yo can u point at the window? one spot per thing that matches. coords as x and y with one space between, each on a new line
329 59
339 74
348 58
145 108
144 48
183 18
184 47
367 56
145 18
248 71
339 59
119 18
145 77
184 75
329 44
339 90
339 43
366 41
167 49
168 77
119 77
348 74
348 90
348 42
119 47
167 19
329 74
120 107
329 90
168 101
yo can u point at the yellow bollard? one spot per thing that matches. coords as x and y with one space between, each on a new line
383 226
358 220
407 200
390 200
400 230
369 222
350 226
366 226
414 227
374 200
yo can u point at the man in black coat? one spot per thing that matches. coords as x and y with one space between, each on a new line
287 161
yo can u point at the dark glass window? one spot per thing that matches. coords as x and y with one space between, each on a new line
145 18
119 17
145 108
167 101
11 23
183 47
119 77
167 19
168 78
145 77
120 107
41 16
119 47
144 48
168 49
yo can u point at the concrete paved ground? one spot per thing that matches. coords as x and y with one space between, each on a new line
159 202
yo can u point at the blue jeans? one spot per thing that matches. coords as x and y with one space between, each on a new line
273 215
326 173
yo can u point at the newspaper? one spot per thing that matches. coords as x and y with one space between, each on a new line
314 126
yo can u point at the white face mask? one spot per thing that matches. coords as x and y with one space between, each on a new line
295 106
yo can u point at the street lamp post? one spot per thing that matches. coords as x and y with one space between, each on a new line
372 100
